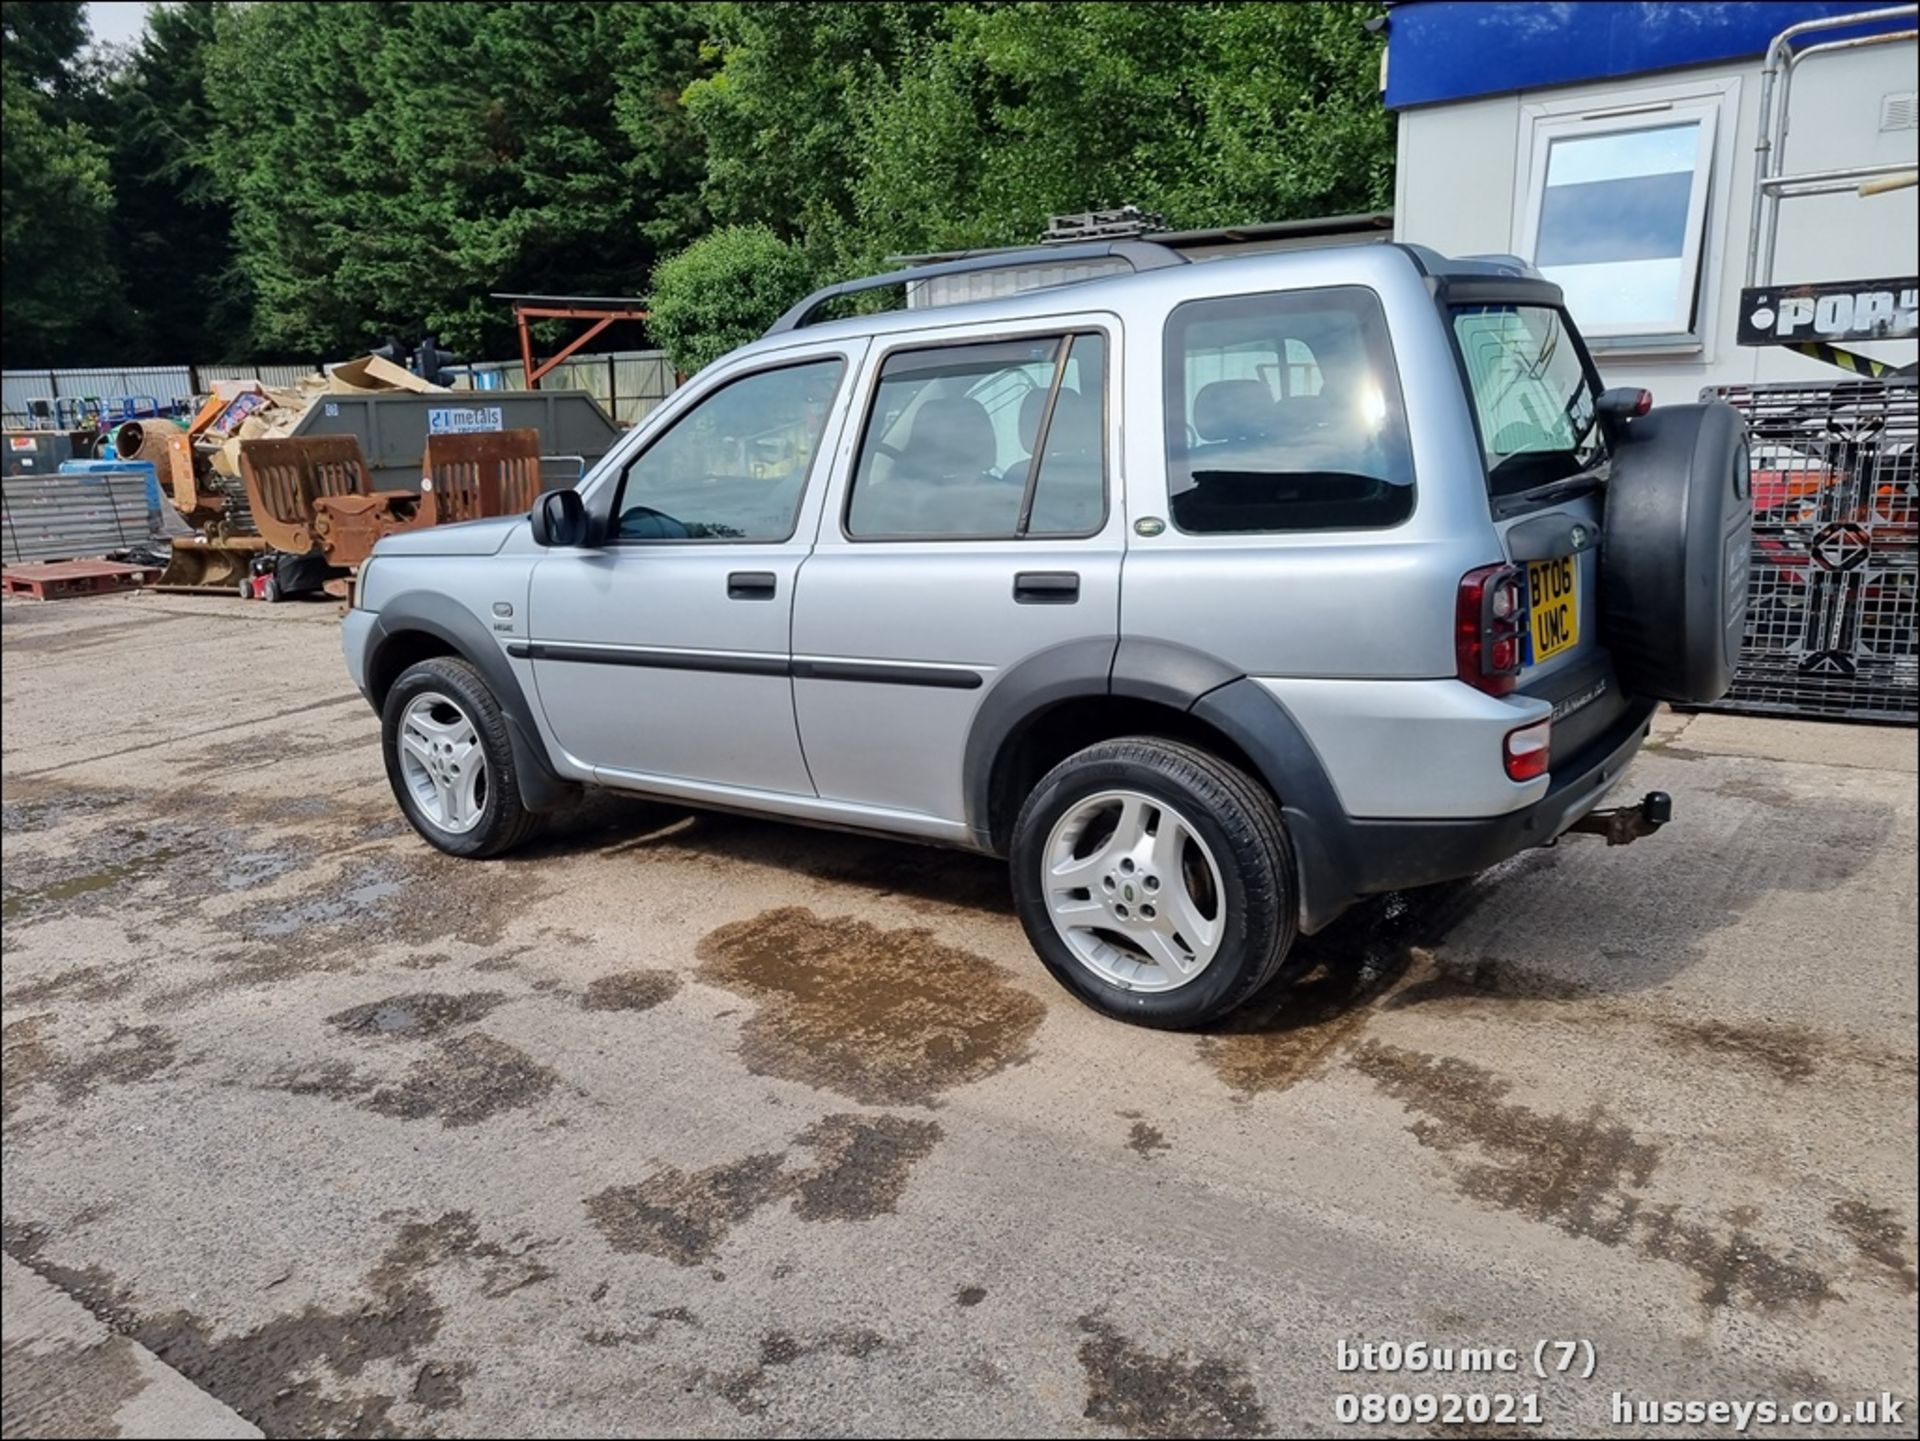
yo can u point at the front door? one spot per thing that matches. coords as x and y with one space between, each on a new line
973 529
663 653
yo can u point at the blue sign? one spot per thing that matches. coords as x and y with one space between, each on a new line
1454 49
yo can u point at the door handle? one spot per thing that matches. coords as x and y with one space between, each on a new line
750 585
1046 587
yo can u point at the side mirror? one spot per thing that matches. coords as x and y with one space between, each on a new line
559 518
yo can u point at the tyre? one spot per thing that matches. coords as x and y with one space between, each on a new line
1675 552
271 592
450 762
1155 880
246 587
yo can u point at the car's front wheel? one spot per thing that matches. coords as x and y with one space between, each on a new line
1155 880
450 762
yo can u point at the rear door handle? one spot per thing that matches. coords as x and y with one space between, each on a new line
750 585
1046 587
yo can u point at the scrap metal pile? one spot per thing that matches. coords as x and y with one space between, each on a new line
254 498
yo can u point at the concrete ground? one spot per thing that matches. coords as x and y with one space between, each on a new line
686 1123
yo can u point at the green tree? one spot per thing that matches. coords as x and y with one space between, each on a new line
57 279
723 291
661 51
299 146
865 130
391 167
779 113
42 41
173 230
1210 114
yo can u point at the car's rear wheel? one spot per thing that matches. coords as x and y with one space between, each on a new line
450 762
1155 880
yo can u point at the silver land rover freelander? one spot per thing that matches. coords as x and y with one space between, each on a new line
1212 596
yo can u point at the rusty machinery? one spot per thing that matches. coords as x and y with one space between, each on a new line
307 505
313 499
225 541
402 438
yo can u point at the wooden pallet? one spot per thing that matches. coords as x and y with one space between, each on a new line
58 579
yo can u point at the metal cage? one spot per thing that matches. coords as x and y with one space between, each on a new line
1831 600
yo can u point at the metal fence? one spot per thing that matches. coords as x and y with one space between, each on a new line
629 383
60 516
73 399
66 392
1834 595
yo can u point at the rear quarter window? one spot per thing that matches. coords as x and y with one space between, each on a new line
1284 413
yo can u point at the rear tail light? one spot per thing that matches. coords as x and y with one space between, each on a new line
1529 750
1487 628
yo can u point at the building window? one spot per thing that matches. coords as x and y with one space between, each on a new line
1616 215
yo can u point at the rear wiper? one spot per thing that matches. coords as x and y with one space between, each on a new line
1583 483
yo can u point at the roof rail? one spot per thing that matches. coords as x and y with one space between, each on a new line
1139 254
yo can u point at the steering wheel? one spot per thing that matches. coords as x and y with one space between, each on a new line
667 527
891 452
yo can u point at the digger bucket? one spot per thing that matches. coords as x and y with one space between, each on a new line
285 477
473 477
314 492
200 563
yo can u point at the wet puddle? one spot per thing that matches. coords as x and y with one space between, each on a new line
887 1017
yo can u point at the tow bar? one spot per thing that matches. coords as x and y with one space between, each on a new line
1624 825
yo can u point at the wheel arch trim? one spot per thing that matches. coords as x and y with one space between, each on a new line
1199 684
430 613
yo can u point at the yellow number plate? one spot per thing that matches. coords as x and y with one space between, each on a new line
1553 606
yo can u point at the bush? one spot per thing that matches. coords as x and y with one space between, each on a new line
722 291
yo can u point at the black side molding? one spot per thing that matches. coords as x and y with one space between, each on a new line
649 659
871 672
888 673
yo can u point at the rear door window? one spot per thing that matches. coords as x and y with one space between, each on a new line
990 441
1535 402
1284 413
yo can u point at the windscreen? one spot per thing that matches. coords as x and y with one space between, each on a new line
1538 411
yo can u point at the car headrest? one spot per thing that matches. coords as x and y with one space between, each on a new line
952 437
1233 410
1076 425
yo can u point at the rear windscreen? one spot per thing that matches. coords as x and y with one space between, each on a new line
1539 421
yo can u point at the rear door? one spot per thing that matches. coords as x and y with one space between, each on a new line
1535 401
972 525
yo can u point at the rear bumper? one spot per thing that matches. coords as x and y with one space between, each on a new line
1393 855
1341 858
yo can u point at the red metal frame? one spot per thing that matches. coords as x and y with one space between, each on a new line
556 307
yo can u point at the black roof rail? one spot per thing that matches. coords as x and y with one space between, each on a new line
1139 254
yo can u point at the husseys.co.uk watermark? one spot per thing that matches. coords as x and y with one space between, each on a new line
1563 1361
1886 1409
